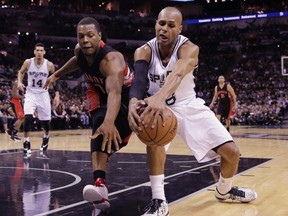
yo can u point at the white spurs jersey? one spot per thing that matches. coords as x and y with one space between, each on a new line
37 76
158 73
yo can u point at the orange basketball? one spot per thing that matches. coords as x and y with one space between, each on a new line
159 135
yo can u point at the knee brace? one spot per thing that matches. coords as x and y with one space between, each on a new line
45 125
27 122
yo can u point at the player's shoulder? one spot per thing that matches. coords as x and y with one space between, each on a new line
144 48
188 49
26 63
50 63
143 52
77 50
189 45
112 53
229 86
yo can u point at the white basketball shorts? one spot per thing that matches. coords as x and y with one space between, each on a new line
200 128
39 102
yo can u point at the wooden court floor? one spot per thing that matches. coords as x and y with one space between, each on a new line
269 179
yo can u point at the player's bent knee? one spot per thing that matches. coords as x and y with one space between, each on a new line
27 122
229 151
46 125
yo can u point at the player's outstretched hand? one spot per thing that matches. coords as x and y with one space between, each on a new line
155 107
50 81
110 135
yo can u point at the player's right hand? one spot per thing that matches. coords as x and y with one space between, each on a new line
51 80
110 136
155 106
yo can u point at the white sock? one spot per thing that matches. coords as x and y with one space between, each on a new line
26 139
157 187
224 184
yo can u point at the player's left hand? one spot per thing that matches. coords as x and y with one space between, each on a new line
110 134
56 102
234 108
135 108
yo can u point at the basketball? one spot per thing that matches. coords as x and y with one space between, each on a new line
159 135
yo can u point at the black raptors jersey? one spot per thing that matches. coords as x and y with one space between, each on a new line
96 92
223 95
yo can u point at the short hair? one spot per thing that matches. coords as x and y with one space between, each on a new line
40 45
89 20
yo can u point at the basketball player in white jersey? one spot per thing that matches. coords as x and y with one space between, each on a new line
166 65
36 97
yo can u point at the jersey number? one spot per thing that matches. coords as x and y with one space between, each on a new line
38 83
171 100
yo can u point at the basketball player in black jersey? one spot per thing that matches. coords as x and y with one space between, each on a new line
224 93
109 79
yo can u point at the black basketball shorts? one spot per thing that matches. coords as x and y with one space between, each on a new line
121 123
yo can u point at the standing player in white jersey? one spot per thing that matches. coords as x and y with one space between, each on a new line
166 64
36 98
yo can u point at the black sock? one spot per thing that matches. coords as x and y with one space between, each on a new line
99 174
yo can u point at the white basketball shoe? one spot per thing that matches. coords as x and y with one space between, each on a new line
97 194
241 194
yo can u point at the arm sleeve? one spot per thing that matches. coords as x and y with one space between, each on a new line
140 82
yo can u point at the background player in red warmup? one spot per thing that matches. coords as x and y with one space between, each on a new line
224 93
16 103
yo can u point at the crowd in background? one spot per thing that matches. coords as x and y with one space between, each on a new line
249 57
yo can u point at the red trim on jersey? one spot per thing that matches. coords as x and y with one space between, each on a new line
92 98
126 139
232 112
102 44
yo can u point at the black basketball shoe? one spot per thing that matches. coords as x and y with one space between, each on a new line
27 147
44 145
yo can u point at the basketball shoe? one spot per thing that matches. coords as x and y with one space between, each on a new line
156 207
97 194
9 132
16 138
12 133
27 147
44 145
243 195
